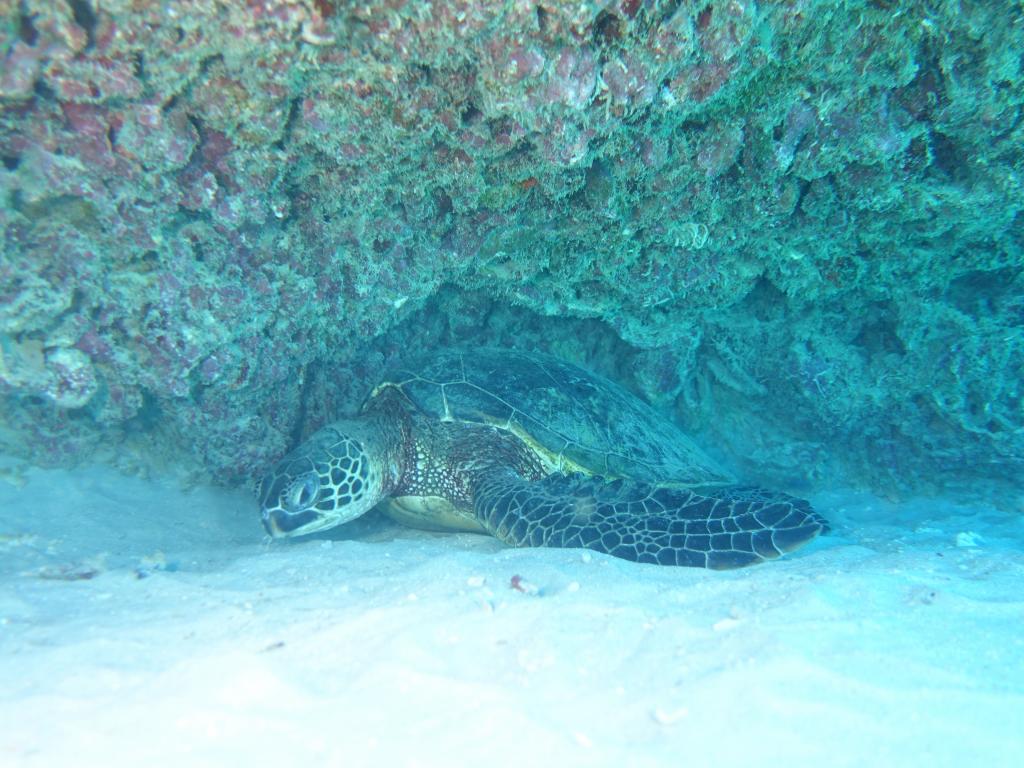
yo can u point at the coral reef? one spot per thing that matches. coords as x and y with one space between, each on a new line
798 225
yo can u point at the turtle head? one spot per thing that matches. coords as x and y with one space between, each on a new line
340 473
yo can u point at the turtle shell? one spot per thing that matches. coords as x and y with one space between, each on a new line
576 421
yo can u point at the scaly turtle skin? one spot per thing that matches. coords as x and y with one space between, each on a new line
536 452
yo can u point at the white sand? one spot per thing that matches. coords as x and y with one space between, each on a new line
888 643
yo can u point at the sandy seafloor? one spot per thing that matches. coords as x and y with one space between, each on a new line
896 640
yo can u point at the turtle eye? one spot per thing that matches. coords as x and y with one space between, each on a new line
303 493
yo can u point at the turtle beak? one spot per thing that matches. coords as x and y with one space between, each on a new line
280 524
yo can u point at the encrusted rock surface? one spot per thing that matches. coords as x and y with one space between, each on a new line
797 225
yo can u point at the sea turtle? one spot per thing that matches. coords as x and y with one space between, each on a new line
537 452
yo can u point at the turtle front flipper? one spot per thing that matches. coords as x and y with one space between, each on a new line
725 528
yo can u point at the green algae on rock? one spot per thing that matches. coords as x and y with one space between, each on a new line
798 218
